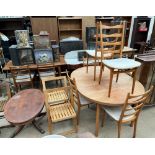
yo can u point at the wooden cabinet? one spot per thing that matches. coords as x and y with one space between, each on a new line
70 27
48 24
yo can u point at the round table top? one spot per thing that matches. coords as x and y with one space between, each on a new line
24 106
99 93
125 49
71 58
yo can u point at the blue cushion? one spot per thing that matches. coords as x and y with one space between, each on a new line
121 63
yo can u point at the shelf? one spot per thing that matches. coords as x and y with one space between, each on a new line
105 18
69 18
9 29
11 19
70 30
70 26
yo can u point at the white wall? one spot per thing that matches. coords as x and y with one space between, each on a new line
150 28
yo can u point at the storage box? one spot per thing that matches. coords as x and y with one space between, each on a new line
41 41
21 56
22 38
43 56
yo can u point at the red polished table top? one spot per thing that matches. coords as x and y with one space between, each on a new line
24 106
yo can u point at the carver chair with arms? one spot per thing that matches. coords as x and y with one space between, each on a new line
129 112
21 76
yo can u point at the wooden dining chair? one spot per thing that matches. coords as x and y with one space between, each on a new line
21 76
80 100
46 70
101 52
113 43
60 111
129 112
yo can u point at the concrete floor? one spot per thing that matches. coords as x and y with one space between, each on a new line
145 129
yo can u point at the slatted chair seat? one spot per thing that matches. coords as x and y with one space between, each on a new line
121 63
62 112
57 96
115 112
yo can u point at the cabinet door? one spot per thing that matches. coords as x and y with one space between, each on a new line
48 24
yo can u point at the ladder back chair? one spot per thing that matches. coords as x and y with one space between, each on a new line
59 104
129 112
79 100
21 76
113 43
101 52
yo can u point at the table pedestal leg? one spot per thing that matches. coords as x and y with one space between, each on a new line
97 119
38 127
19 128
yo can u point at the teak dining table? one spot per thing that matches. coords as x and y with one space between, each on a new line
98 94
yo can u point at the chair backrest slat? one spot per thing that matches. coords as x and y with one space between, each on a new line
72 83
111 37
137 102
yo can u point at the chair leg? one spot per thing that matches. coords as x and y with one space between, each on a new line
32 84
110 83
134 80
101 70
119 129
49 126
78 115
103 118
41 86
117 76
135 128
95 70
97 119
132 124
87 63
75 124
